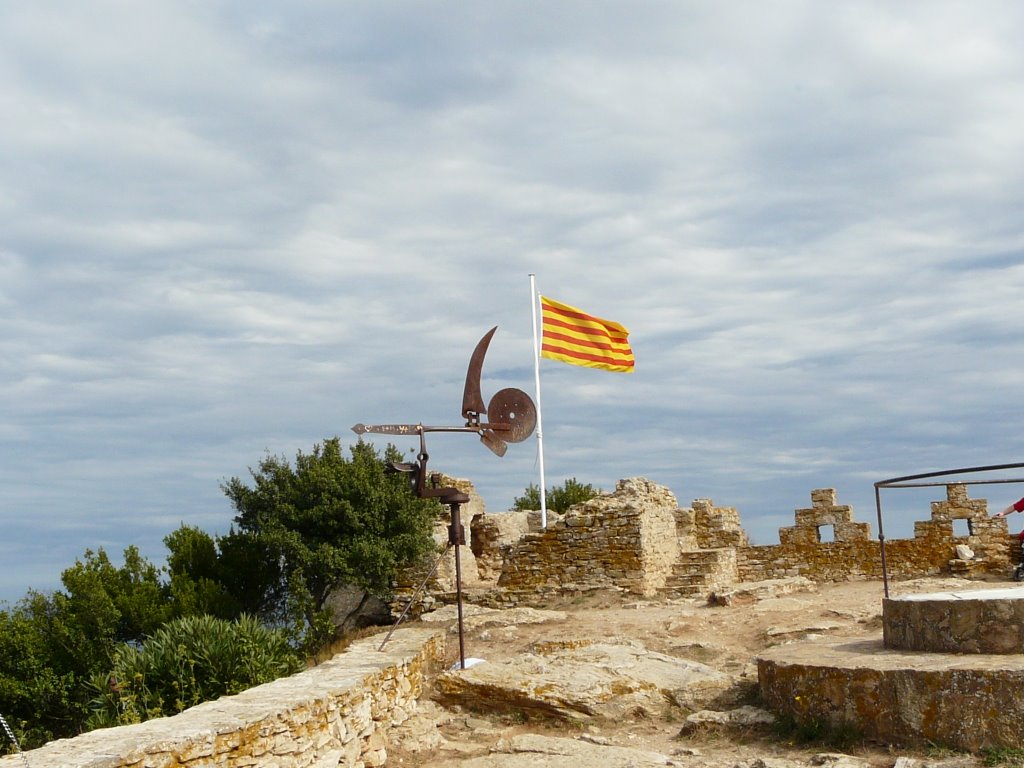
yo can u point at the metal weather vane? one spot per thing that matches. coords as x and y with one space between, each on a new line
509 417
511 414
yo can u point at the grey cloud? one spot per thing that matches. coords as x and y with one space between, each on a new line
236 228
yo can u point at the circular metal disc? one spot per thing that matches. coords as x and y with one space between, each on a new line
515 408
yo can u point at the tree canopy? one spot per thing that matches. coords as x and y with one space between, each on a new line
559 497
327 521
52 644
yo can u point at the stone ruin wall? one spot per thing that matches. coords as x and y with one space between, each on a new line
639 540
626 539
854 554
716 527
635 539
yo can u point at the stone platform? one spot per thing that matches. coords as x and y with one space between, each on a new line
983 621
967 702
948 670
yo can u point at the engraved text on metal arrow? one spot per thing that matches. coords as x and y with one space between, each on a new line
415 429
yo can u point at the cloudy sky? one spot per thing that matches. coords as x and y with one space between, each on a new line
234 228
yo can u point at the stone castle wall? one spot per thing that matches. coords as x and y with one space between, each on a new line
716 527
494 535
338 713
638 539
853 554
625 539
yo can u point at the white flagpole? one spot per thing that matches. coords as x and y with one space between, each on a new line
534 298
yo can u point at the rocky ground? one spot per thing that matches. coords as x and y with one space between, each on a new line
609 681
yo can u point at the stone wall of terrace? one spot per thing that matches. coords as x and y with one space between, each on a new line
337 714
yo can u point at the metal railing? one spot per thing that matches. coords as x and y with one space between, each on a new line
13 738
909 481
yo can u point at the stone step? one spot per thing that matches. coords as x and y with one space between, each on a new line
682 590
688 577
690 573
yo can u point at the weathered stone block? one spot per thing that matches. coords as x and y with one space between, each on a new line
982 621
966 702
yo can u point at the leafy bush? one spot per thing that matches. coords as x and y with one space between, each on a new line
188 661
559 498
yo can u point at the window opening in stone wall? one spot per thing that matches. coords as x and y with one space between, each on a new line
826 534
962 528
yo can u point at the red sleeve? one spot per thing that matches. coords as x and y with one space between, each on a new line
1018 506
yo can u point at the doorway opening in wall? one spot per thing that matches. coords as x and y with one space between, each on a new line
826 534
962 528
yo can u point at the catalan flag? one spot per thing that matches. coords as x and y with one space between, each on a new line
574 337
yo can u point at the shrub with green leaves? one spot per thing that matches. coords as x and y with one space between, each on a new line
558 497
188 661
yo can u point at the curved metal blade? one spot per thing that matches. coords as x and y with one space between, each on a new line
472 401
492 441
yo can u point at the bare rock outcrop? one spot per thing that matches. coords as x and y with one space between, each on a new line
752 592
479 617
580 681
536 751
741 717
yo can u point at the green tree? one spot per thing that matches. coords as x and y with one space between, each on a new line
191 551
52 644
37 696
188 661
328 521
123 603
559 498
195 569
252 570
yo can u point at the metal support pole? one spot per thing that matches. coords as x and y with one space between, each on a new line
881 541
415 594
457 536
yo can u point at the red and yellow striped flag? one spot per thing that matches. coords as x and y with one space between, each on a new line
574 337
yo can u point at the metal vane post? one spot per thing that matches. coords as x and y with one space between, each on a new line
510 418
